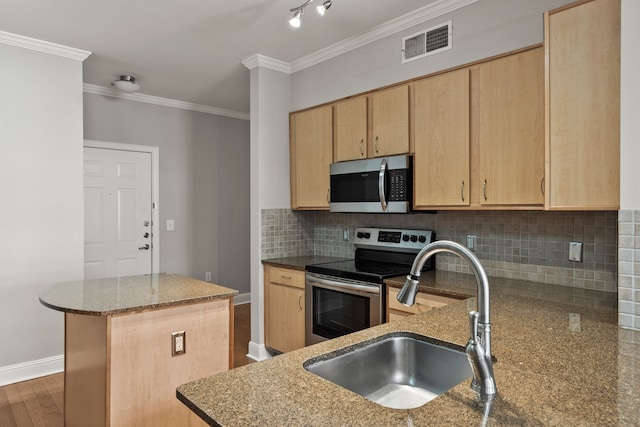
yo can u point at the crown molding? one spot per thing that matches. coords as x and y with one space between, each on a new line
42 46
388 28
165 102
258 60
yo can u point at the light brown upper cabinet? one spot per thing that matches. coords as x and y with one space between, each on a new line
350 124
311 152
510 130
582 47
441 123
389 121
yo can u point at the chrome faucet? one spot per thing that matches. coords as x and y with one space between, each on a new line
479 346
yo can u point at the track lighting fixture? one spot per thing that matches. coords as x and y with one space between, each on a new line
323 7
299 11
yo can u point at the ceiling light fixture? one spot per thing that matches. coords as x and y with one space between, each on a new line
126 83
299 11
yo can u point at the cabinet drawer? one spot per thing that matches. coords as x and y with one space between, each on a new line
424 302
288 277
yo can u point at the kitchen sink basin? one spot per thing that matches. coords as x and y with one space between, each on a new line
399 370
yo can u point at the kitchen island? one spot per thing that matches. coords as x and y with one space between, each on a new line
561 360
119 364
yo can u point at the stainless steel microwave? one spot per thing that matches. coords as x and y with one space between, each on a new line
380 185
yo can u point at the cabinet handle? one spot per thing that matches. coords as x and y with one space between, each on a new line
484 190
542 186
285 277
329 196
362 147
462 191
376 145
300 302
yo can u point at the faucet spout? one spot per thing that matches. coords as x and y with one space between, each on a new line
479 346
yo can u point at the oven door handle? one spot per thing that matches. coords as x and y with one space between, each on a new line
341 286
381 184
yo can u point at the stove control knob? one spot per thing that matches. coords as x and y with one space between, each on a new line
422 239
405 237
360 235
414 238
367 235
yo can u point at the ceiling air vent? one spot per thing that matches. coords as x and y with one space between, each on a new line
427 42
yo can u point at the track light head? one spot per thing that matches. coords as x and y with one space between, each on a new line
323 7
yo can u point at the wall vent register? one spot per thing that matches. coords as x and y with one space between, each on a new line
427 42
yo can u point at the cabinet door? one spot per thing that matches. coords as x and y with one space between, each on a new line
511 129
311 151
441 160
350 119
583 89
284 308
284 313
390 121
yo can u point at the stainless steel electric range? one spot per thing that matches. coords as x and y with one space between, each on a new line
347 296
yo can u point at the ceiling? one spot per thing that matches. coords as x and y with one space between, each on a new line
192 50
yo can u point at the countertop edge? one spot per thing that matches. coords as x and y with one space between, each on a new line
137 309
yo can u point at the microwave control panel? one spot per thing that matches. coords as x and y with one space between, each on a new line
399 190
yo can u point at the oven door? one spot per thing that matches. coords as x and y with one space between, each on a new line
336 307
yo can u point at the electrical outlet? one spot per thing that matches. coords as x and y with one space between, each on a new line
345 234
178 343
575 251
170 225
207 276
471 242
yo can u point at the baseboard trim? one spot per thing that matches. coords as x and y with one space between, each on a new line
258 352
242 299
29 370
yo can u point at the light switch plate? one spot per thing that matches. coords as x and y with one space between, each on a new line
575 251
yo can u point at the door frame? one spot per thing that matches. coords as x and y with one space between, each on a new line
155 189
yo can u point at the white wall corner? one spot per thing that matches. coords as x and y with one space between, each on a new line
258 60
30 370
43 46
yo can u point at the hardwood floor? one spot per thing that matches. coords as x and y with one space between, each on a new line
40 402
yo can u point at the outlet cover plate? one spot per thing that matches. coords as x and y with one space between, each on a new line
178 343
575 251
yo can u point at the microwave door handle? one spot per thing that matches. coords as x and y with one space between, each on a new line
381 186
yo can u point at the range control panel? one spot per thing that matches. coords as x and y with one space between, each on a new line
393 239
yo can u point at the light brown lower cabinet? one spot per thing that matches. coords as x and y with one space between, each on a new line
284 308
119 369
424 303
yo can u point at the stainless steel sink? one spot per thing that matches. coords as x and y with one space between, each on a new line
398 370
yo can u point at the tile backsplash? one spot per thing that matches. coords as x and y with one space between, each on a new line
525 245
629 255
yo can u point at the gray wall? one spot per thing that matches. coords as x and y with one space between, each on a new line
41 226
204 182
480 30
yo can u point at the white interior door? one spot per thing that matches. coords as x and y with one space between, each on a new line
118 238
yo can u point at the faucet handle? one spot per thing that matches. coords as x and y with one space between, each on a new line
473 324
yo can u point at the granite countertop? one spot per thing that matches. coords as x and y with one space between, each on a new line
300 262
103 297
550 370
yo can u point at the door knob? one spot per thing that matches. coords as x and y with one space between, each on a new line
144 248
